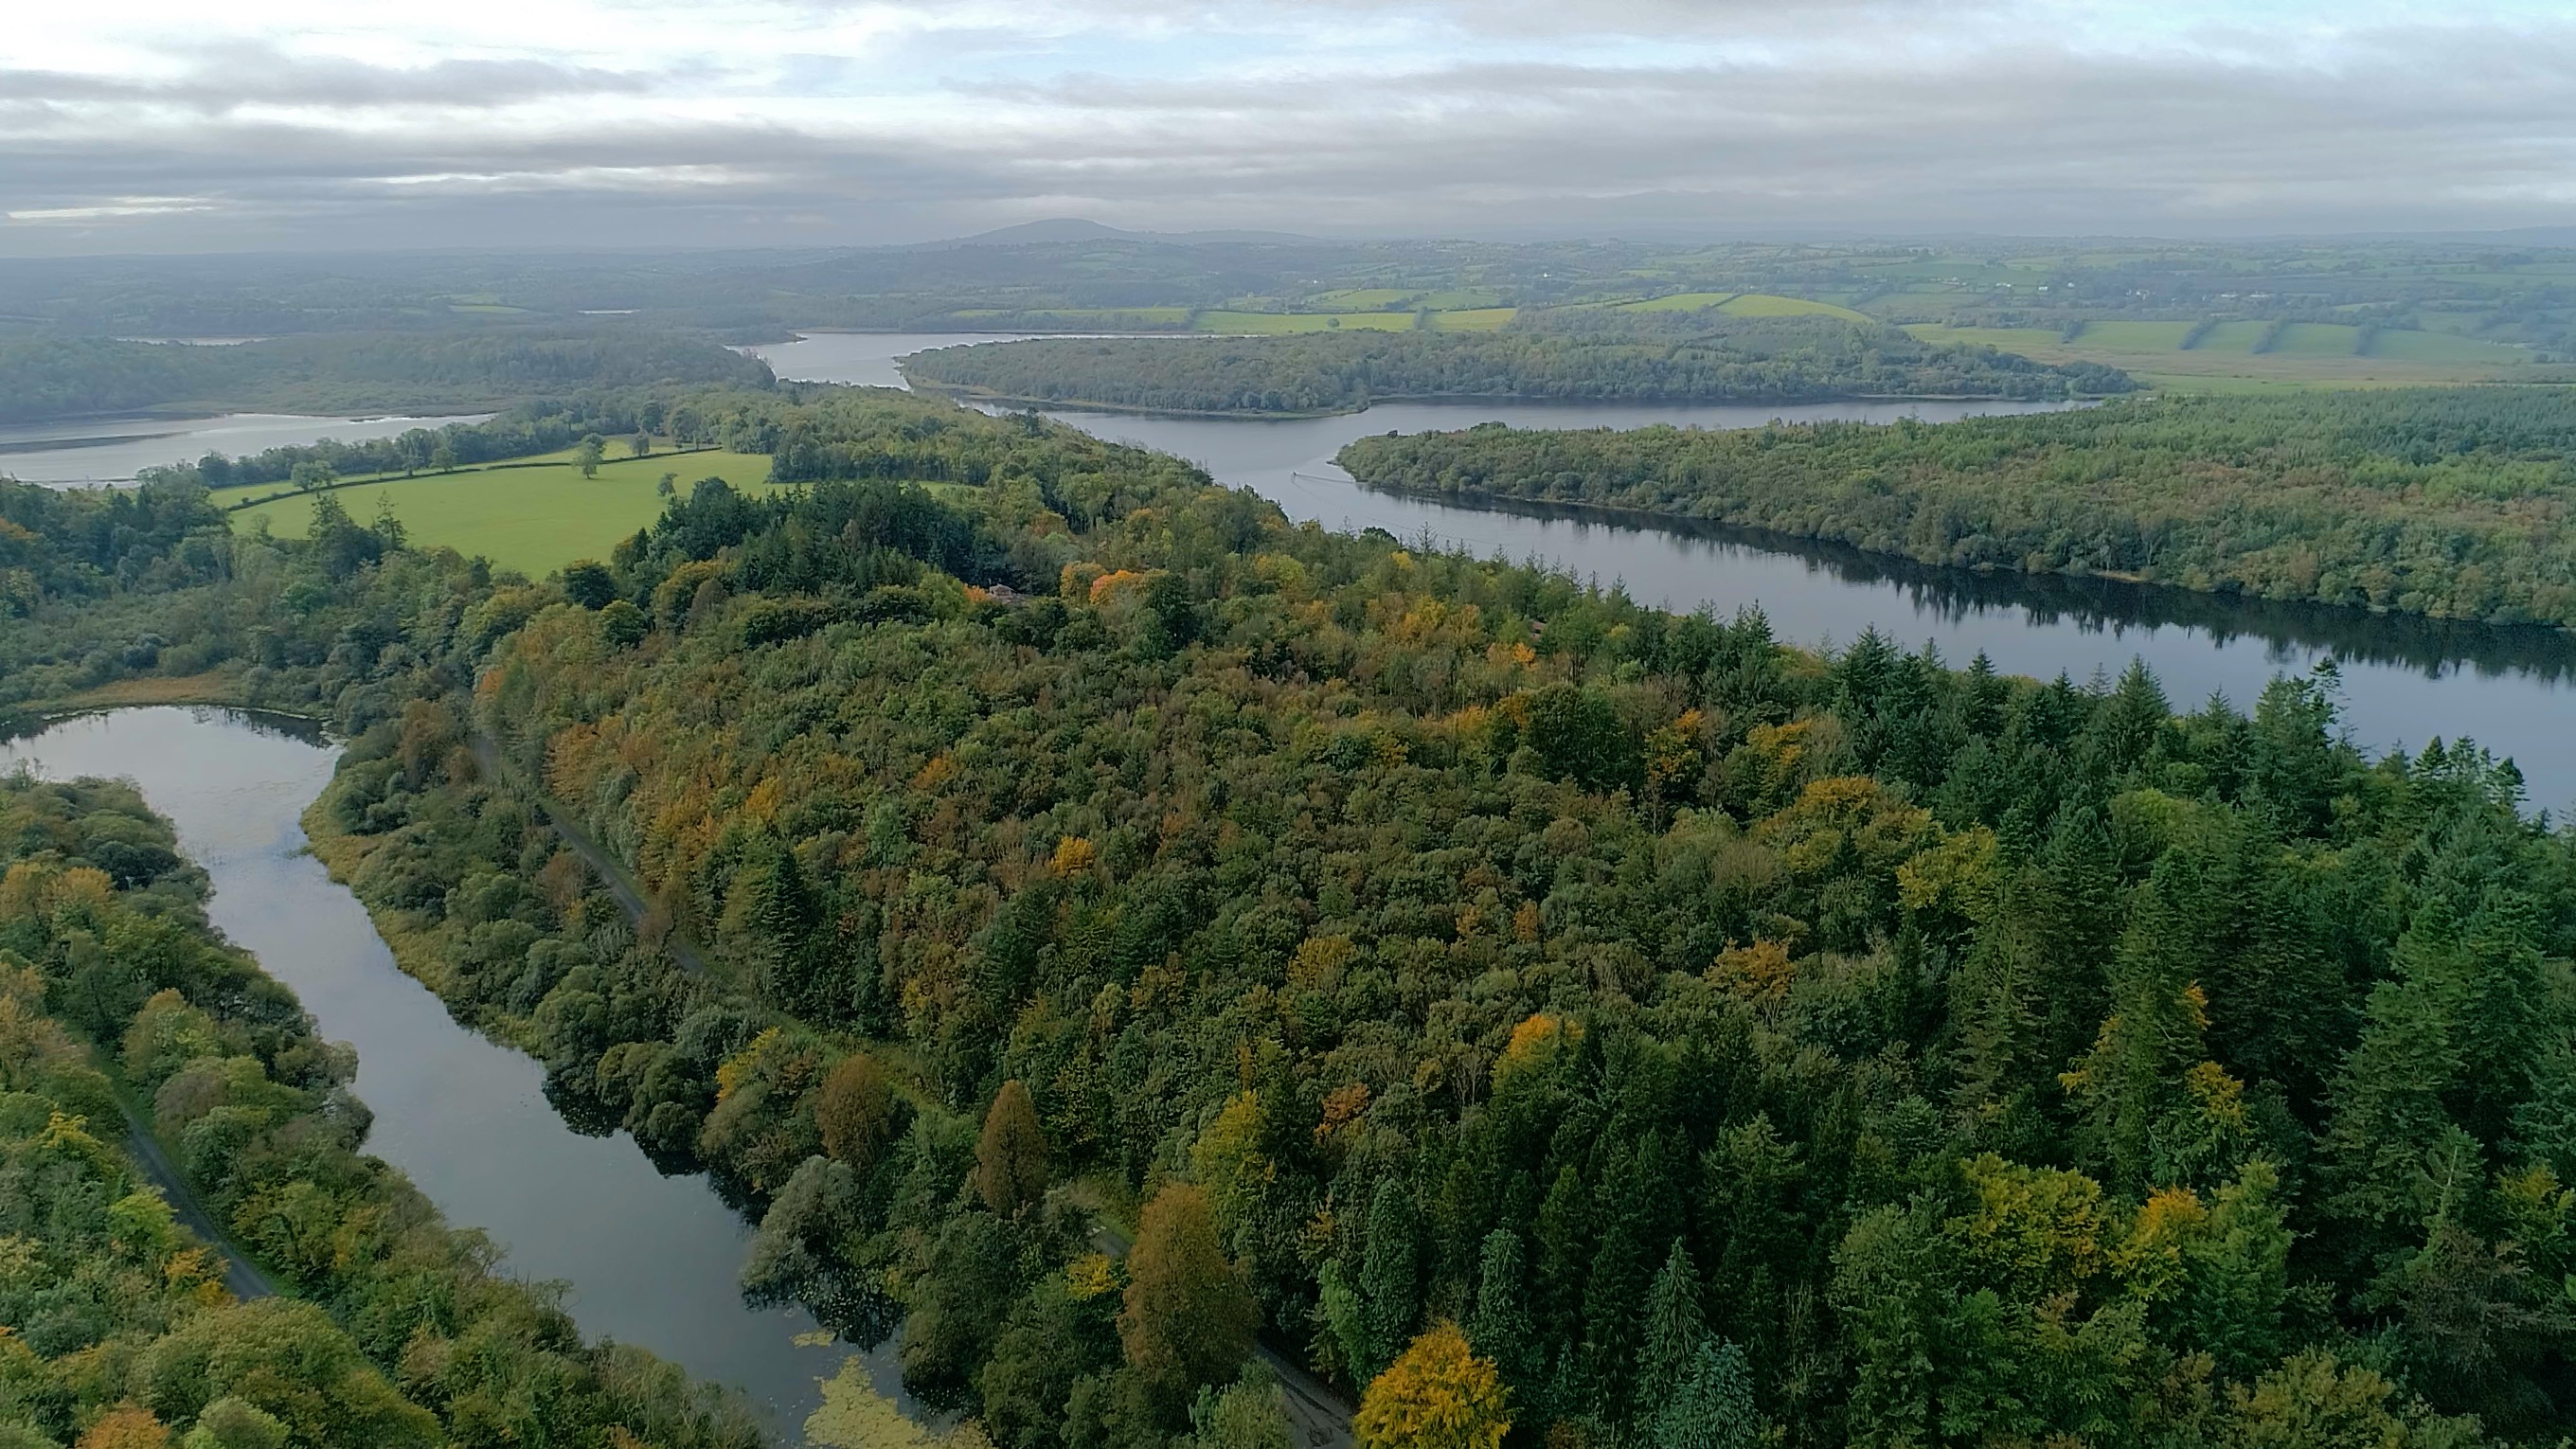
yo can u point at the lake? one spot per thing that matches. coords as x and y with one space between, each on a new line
2514 690
114 450
648 1259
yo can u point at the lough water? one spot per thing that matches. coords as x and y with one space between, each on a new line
114 450
2403 681
647 1259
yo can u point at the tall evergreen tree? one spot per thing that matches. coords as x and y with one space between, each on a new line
1390 1283
1712 1406
1674 1327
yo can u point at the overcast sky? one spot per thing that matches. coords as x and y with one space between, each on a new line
155 125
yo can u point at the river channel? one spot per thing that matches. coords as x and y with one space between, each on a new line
646 1259
2403 681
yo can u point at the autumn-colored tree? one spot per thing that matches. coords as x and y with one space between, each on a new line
127 1426
1436 1395
855 1110
1010 1158
1189 1316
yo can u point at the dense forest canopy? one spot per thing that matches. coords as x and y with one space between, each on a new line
1564 354
48 376
2454 503
1587 1024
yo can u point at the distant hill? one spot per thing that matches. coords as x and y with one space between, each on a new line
1076 229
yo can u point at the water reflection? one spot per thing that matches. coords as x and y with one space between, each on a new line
2437 648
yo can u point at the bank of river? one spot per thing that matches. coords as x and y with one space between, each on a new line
114 450
646 1259
2404 681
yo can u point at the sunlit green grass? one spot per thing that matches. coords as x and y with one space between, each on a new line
1474 319
534 520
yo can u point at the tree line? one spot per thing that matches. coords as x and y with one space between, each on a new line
1569 354
1551 1018
2450 502
49 376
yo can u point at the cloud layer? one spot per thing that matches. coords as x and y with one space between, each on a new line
293 123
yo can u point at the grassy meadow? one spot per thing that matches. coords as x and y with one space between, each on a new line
533 519
2224 357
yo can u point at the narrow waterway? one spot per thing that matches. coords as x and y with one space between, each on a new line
647 1259
2403 681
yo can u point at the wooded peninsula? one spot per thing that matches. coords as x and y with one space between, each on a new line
2456 503
1563 355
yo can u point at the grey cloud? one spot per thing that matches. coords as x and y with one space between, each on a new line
225 77
2386 131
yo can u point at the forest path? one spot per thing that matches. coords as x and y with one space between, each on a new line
240 1275
1316 1414
612 872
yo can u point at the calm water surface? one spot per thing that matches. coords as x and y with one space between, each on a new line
2404 681
114 450
648 1259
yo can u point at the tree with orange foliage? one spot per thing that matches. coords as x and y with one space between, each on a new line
1437 1395
127 1426
1011 1157
855 1110
1189 1315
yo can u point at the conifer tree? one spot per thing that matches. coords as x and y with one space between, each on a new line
1390 1281
1010 1157
1712 1406
1501 1328
1674 1328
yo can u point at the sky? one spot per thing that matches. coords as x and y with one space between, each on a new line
172 125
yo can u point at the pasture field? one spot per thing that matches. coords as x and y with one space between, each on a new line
1361 299
1474 319
1679 302
2123 336
2240 336
1763 304
535 519
1272 324
2305 354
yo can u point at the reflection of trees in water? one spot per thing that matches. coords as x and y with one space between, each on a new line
2098 605
303 730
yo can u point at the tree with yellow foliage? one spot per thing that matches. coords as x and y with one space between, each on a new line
1437 1395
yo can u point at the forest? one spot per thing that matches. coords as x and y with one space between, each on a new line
2453 503
44 376
1564 354
1101 926
390 1329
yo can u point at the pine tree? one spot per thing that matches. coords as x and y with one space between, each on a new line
1712 1407
1674 1328
1564 1250
1500 1328
1390 1278
1010 1157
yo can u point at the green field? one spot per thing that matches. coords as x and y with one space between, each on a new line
1679 302
2133 336
1361 299
535 519
1474 319
1760 304
1271 324
2305 354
